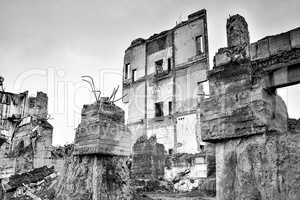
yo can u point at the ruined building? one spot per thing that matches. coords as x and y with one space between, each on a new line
257 146
162 79
95 167
98 168
26 135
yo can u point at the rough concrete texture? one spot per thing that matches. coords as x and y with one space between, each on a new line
239 106
38 106
238 42
148 159
257 147
210 150
98 171
102 130
259 167
95 177
237 31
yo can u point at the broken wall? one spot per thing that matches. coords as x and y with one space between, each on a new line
176 62
159 48
38 105
98 169
161 126
12 107
255 147
135 57
102 130
148 159
184 39
29 133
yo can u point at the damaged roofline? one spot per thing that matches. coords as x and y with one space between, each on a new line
192 17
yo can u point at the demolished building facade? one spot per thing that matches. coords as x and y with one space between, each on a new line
26 132
162 79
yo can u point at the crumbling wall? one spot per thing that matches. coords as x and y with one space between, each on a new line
176 62
12 108
135 58
38 106
102 130
237 31
95 177
98 169
238 48
259 167
185 39
274 45
27 133
31 142
256 150
148 159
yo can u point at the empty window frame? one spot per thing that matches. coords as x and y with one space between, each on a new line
133 75
170 107
203 89
169 64
159 111
127 69
199 45
159 66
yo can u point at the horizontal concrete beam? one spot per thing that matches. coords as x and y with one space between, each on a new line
284 76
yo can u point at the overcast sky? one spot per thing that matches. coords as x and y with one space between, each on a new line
47 45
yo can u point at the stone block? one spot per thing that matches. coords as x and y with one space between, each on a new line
279 43
222 59
295 38
148 158
258 167
260 49
241 114
102 131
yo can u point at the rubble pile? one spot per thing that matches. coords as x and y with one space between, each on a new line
186 171
33 185
62 151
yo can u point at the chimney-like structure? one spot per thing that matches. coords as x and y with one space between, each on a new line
238 42
237 31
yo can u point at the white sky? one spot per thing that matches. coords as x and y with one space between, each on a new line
46 45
